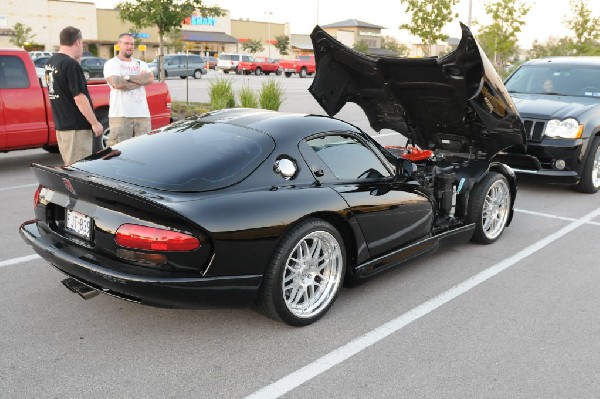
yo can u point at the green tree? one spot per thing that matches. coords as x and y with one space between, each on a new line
361 46
253 46
22 35
499 39
553 46
585 28
282 44
392 44
428 18
166 15
175 40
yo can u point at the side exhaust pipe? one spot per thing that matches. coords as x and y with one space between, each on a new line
81 289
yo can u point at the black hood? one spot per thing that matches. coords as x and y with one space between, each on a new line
456 102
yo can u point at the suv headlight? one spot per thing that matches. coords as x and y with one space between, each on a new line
567 129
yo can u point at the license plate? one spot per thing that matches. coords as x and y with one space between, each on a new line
79 224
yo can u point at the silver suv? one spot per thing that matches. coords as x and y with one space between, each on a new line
229 61
182 65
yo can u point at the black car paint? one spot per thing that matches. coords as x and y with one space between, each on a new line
383 221
539 108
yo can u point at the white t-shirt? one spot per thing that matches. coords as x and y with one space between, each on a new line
127 103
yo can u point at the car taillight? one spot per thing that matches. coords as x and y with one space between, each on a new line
36 196
154 239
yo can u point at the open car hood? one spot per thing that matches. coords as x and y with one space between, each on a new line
455 103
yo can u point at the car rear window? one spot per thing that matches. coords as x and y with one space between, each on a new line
225 57
187 156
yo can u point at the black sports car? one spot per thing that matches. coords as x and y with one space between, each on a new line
247 206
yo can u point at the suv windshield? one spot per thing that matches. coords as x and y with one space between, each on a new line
556 80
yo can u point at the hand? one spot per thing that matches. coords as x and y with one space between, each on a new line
98 129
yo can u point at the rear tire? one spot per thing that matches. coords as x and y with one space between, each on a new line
86 75
257 71
489 208
197 74
304 275
302 73
590 177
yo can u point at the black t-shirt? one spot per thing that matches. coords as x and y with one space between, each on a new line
65 80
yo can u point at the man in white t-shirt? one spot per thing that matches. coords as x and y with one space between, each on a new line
128 115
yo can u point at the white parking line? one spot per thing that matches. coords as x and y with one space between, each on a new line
547 215
17 187
337 356
14 261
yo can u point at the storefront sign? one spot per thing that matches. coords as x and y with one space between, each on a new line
199 20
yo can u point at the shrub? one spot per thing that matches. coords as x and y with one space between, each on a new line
271 95
221 94
248 98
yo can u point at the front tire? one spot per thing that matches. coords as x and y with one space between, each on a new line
590 177
302 73
257 71
305 274
489 208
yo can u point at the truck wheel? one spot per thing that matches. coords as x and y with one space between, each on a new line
590 177
257 71
288 74
52 149
197 74
279 72
303 73
86 75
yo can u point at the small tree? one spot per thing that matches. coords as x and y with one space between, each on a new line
165 15
361 46
390 43
428 18
253 46
22 35
585 27
282 44
553 46
175 40
499 39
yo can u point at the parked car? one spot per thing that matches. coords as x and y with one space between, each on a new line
251 206
36 54
258 66
182 65
212 62
228 62
304 66
559 101
93 67
40 62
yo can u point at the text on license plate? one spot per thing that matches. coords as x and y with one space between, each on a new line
79 224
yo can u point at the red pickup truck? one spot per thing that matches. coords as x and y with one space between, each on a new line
303 66
259 65
25 113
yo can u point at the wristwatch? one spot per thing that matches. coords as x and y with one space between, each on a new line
127 77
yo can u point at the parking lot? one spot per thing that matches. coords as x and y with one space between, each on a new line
516 319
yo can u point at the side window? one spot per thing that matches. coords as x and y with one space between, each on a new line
348 158
175 61
247 58
195 59
13 74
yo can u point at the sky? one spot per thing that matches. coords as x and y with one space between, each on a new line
545 18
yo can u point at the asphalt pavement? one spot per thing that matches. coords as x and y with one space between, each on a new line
516 319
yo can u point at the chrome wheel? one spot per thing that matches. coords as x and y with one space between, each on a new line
495 209
312 274
596 169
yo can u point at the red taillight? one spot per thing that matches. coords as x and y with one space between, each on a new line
36 196
153 239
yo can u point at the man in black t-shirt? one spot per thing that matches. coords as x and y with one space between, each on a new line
72 110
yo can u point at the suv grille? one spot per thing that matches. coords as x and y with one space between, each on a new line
534 129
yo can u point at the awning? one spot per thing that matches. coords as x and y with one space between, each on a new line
218 37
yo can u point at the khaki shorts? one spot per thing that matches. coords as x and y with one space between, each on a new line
74 144
122 128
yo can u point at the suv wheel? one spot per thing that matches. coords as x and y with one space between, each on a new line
590 177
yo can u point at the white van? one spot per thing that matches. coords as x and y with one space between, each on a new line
229 61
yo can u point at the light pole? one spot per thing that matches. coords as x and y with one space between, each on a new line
269 35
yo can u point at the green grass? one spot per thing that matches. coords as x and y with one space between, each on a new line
271 95
181 110
221 94
248 98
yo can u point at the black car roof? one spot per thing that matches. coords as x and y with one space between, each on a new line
566 60
279 125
